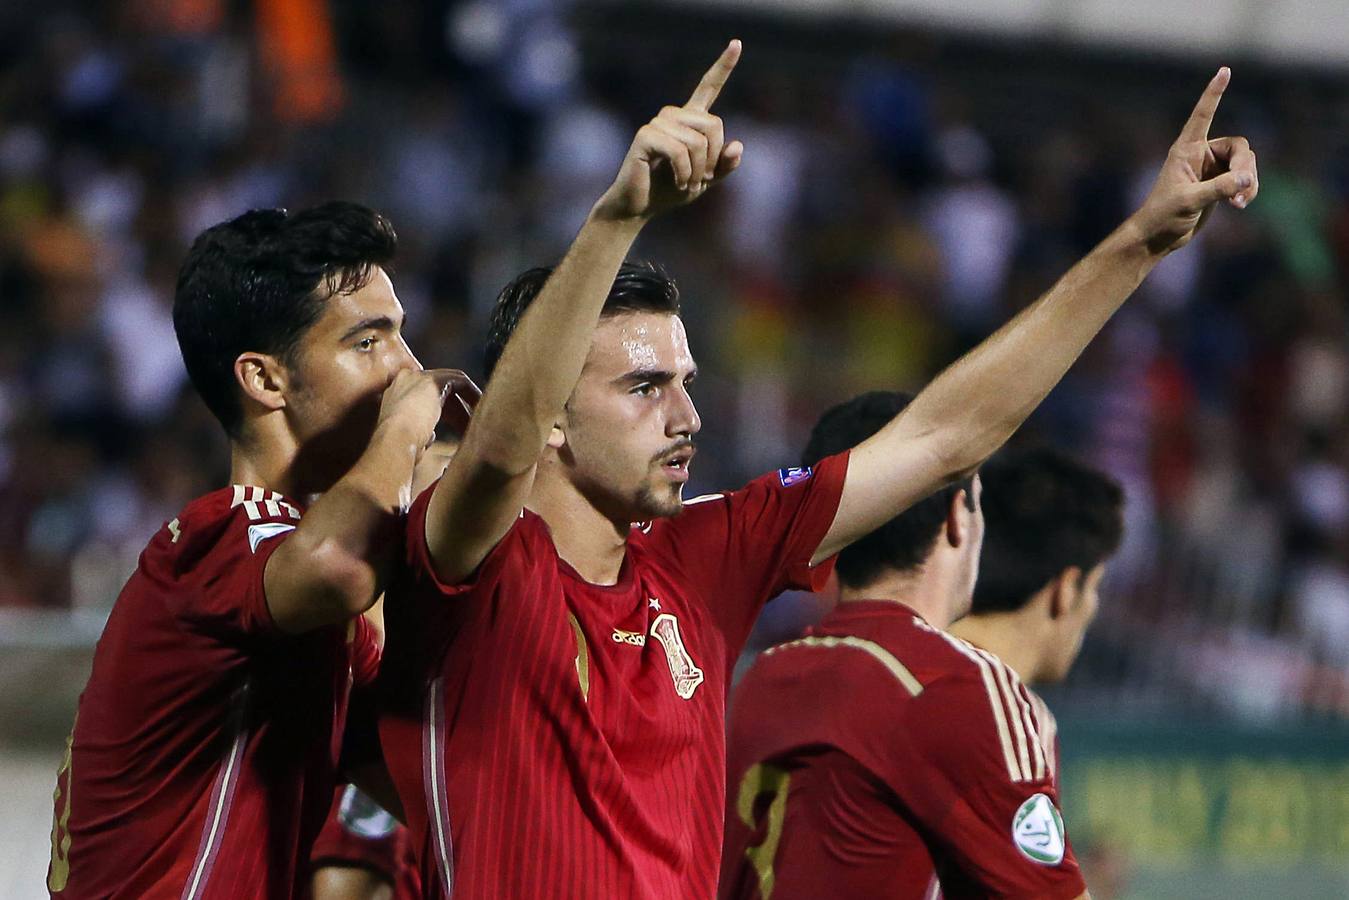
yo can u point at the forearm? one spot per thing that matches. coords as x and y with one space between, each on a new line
333 566
543 359
975 405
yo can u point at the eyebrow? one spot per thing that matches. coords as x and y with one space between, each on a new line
655 376
375 323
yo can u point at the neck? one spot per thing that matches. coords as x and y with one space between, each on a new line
1007 637
248 465
923 590
585 538
270 457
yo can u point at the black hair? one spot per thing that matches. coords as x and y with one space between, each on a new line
259 281
638 287
902 543
1043 512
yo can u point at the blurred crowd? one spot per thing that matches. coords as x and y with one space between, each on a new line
896 204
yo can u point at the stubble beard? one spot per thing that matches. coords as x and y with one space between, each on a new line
659 502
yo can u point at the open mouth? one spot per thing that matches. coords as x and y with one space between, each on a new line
677 463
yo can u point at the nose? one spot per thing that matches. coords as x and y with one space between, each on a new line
683 416
406 358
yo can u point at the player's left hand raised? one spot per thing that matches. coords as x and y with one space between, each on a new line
676 156
1198 173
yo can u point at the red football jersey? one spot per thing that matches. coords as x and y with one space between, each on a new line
359 832
877 750
555 738
204 752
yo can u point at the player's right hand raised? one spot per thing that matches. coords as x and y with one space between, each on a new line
416 400
678 155
1199 172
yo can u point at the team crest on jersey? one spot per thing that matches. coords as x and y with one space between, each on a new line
687 676
794 475
1037 831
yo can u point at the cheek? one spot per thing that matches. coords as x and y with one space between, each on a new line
358 376
343 384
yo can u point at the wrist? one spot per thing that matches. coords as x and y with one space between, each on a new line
384 471
1138 238
1135 240
396 432
604 216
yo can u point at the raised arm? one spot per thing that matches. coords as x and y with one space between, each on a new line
672 161
973 407
333 566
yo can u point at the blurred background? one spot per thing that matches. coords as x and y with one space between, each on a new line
915 172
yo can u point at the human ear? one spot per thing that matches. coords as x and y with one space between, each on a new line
263 379
1066 588
957 529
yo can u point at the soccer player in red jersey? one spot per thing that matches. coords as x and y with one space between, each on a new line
363 853
556 676
878 753
204 752
1051 526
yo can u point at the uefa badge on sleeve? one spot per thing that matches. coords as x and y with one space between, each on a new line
1037 830
794 475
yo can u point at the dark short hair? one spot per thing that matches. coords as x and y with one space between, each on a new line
259 281
1043 512
638 287
906 540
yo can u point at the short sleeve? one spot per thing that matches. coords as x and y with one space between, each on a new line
221 562
745 547
365 651
418 556
975 775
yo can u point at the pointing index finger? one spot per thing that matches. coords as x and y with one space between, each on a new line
715 78
1196 128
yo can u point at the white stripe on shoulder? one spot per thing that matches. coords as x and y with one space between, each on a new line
873 649
704 498
1032 725
1033 721
1049 732
995 700
260 504
1019 709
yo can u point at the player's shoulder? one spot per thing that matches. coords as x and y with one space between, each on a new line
937 658
991 722
951 666
236 519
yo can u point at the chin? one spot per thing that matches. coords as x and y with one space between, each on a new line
659 505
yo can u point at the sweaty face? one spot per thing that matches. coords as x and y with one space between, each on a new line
1074 624
338 375
629 425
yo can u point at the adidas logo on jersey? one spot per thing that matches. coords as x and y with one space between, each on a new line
635 638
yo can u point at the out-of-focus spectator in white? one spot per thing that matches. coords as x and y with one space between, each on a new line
976 225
